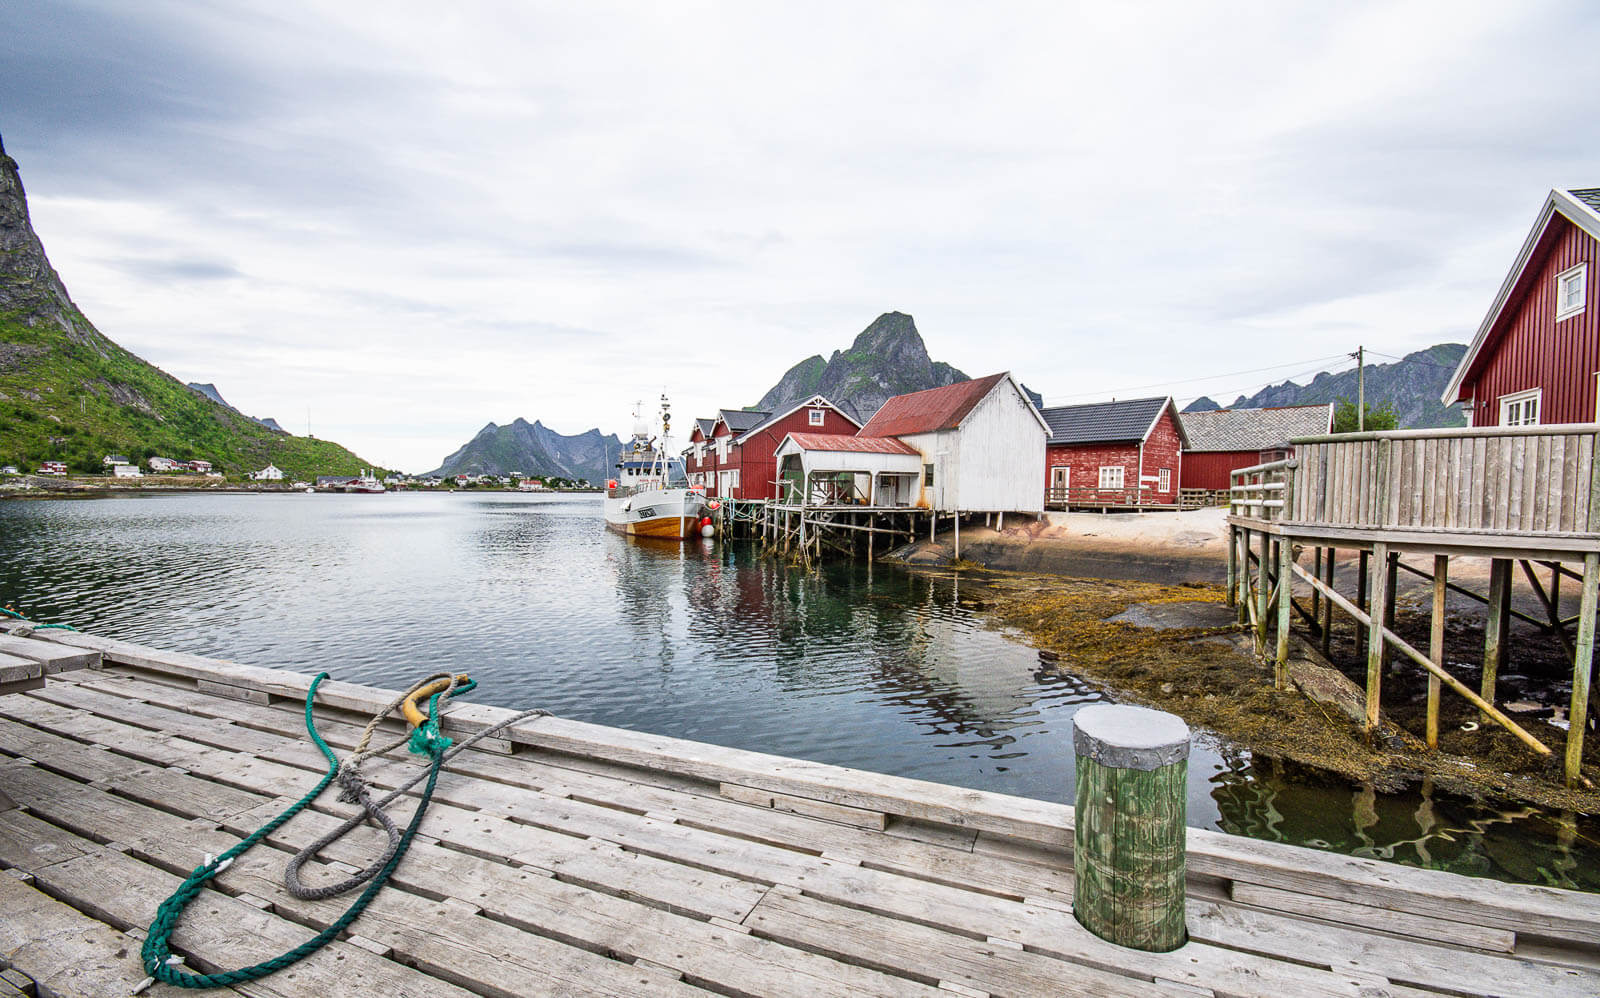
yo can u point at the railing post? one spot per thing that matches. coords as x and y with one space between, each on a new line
1129 860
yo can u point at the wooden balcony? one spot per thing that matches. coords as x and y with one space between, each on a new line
1527 491
1528 494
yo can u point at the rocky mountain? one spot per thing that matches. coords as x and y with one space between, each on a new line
534 449
67 393
887 359
1413 384
210 391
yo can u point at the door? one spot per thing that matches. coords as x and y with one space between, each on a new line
1060 481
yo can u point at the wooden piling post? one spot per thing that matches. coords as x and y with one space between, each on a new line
1362 581
1391 589
1132 797
1582 661
1280 660
1379 565
1441 580
1263 572
1233 565
1327 605
1243 600
1316 594
1494 629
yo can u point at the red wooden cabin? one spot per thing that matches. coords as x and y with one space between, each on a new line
1114 454
1224 439
737 459
1536 357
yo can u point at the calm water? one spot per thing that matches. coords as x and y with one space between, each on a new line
874 668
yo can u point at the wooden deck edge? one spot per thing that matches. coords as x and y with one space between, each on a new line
1521 908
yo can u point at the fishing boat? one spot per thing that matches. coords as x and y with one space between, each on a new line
640 500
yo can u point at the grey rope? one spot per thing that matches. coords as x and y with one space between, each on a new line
357 790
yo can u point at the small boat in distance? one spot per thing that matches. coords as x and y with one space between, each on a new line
641 501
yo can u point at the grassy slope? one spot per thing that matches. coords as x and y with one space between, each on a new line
76 399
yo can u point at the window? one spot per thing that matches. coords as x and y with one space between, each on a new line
1521 409
1570 285
1061 477
816 417
1111 476
733 479
1166 481
927 474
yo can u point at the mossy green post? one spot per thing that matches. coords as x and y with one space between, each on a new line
1132 769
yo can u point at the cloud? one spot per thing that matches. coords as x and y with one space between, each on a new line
407 219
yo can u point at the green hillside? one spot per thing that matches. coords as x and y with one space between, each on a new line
67 393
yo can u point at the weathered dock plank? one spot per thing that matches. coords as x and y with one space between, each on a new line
594 861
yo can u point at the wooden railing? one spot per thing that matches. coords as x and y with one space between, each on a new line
1091 496
1261 491
1531 479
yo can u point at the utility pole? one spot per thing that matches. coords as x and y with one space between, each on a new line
1361 389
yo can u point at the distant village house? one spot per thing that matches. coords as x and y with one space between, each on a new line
268 474
1222 440
1114 454
981 444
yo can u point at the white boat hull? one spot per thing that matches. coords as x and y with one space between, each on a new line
670 514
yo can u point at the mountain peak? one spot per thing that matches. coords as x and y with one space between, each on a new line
887 358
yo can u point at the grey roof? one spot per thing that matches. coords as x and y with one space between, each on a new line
739 420
1254 429
1588 195
705 425
1102 422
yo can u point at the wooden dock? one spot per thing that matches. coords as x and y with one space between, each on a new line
1527 494
574 859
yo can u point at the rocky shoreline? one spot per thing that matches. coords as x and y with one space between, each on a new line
1137 604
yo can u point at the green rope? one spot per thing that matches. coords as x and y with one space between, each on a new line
14 615
158 946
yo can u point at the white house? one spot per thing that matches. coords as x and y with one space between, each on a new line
165 464
125 471
981 442
836 468
268 474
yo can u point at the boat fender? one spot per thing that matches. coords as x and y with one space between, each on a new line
707 530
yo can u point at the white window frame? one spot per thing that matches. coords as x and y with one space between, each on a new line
733 480
1112 478
1165 484
1061 476
817 417
1515 408
1572 275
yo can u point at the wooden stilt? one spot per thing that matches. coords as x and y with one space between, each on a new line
1316 596
1280 670
1441 576
1233 566
1327 605
1363 579
958 534
1379 566
1391 588
1578 713
1262 593
1494 628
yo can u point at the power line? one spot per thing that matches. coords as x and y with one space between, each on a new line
1246 393
1211 377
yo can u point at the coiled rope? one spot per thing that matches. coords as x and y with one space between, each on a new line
426 738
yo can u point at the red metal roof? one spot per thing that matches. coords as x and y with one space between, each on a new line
844 442
930 410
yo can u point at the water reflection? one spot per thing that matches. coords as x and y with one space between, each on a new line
859 666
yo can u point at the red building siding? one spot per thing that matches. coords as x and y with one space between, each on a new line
1162 448
1529 349
754 459
1209 469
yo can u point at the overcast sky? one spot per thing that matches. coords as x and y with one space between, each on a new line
412 219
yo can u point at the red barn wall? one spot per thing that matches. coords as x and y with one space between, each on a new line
1532 350
1085 461
1163 448
1209 470
756 458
